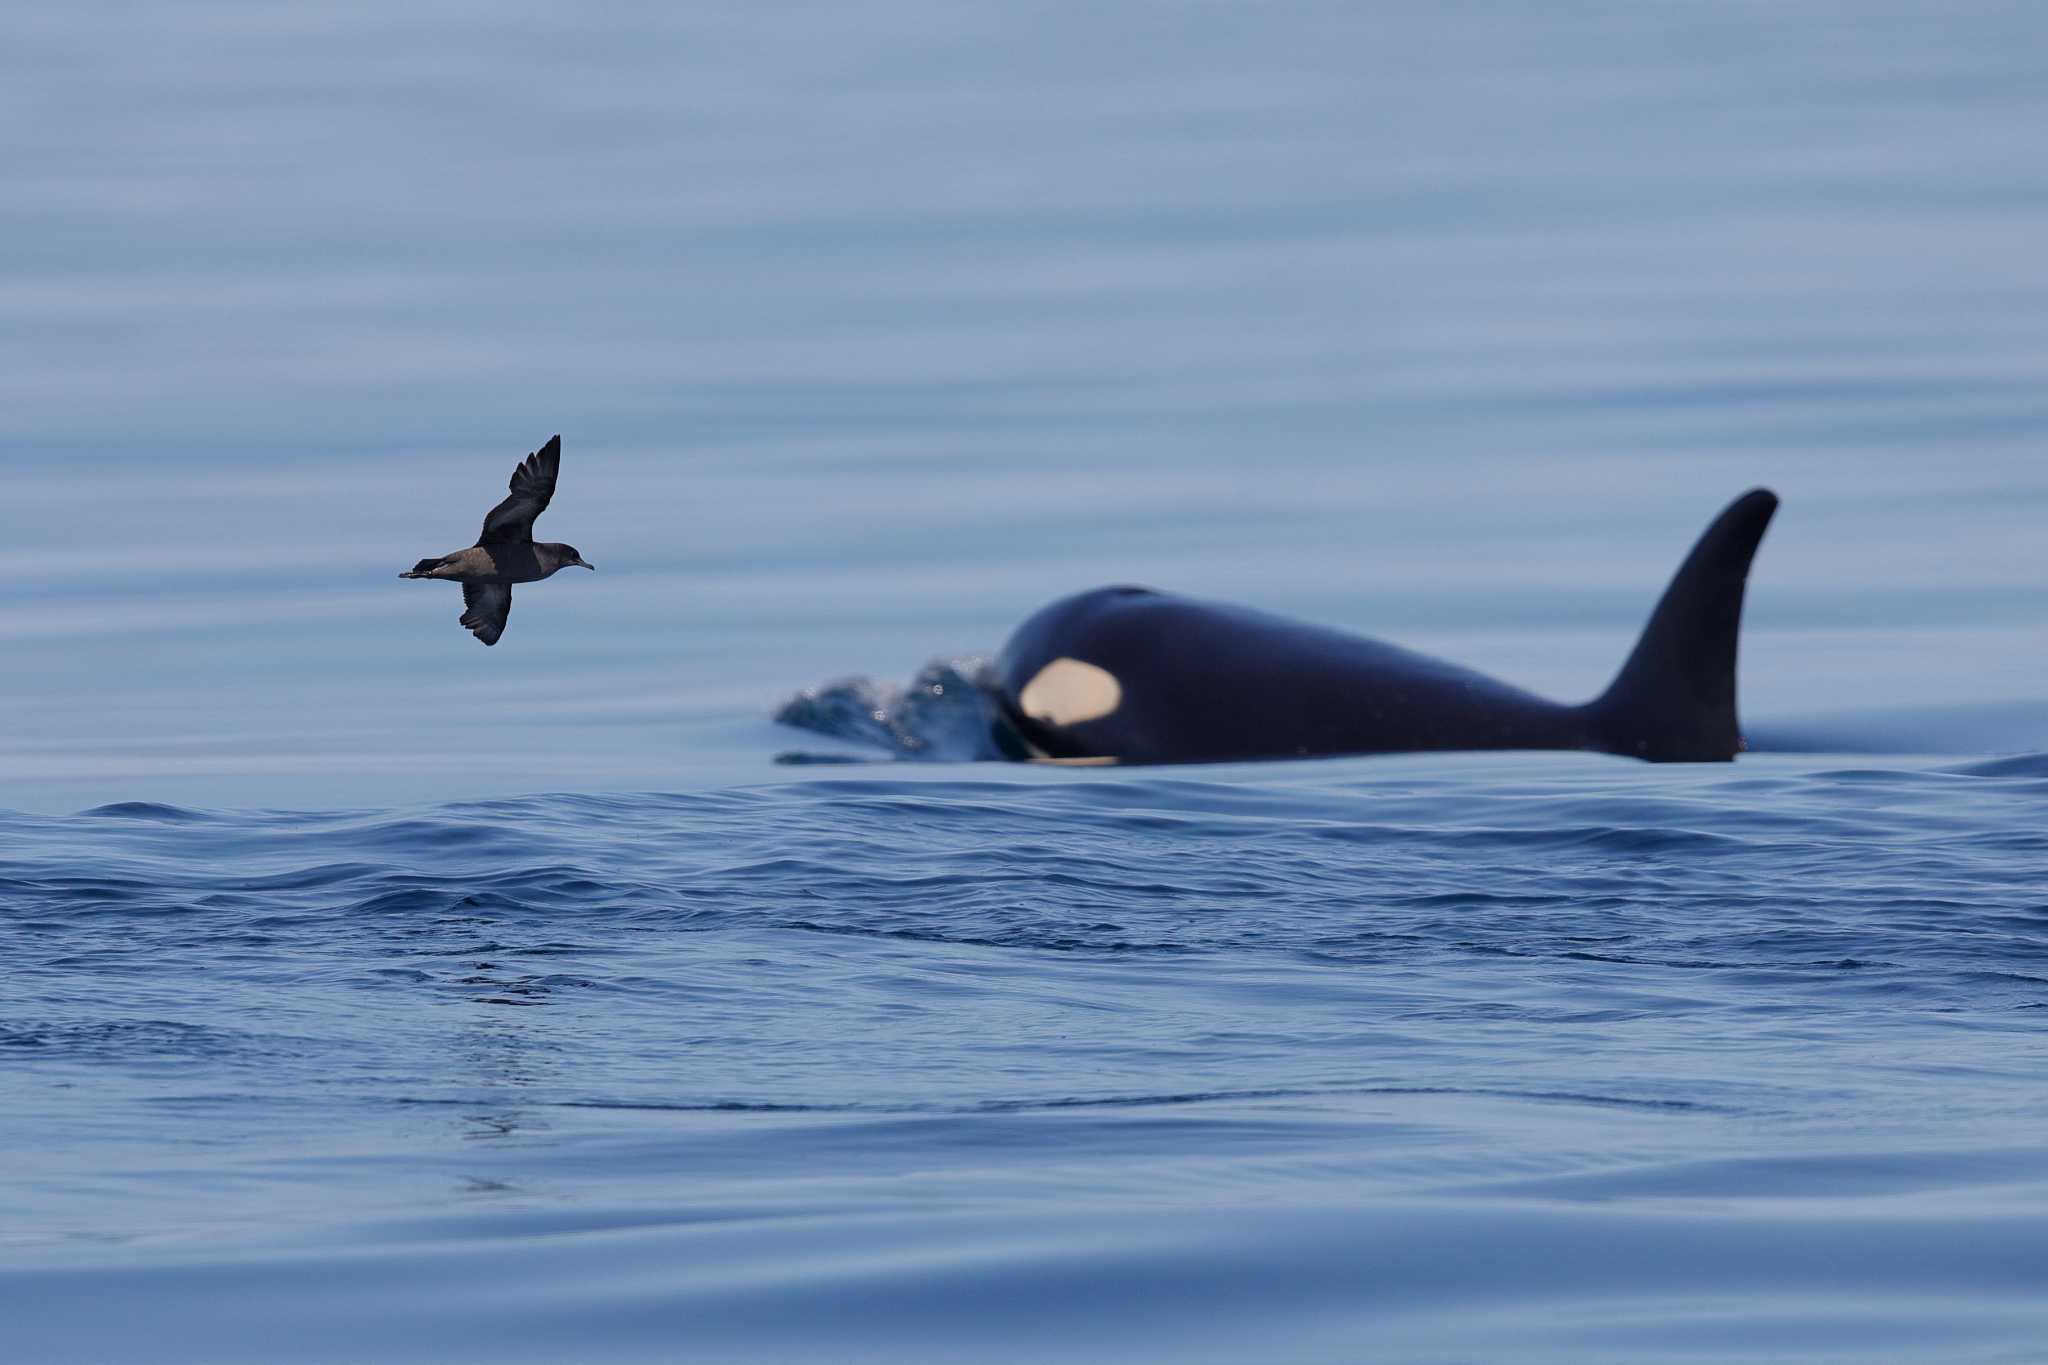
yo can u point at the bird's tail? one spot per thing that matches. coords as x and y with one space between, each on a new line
1674 701
425 568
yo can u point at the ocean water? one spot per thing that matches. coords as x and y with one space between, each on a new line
1544 1057
369 995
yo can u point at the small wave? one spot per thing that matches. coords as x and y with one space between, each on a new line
1598 838
715 1107
435 834
1175 1099
128 1040
405 901
310 878
1033 937
144 810
2020 765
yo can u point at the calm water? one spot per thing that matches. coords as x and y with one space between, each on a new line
372 995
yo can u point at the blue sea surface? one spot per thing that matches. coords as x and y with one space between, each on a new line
1448 1058
369 995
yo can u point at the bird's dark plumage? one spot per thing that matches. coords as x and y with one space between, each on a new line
533 484
489 605
506 552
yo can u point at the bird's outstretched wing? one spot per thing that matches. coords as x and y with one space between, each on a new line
489 605
533 483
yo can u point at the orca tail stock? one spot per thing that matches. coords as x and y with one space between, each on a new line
1674 700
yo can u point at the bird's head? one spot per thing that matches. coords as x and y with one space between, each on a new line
567 558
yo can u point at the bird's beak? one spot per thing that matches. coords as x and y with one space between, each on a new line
588 565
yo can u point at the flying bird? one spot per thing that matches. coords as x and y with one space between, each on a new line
506 552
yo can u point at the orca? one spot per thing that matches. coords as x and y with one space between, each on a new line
1129 675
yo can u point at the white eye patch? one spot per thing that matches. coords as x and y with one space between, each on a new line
1068 692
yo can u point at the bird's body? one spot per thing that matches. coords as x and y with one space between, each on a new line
500 564
506 552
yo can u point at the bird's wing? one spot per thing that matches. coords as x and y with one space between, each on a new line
533 483
489 605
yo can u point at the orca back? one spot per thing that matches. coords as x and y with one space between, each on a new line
1131 675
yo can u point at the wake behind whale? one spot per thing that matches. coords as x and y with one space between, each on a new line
1130 675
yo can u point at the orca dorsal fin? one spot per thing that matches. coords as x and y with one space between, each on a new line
1674 700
